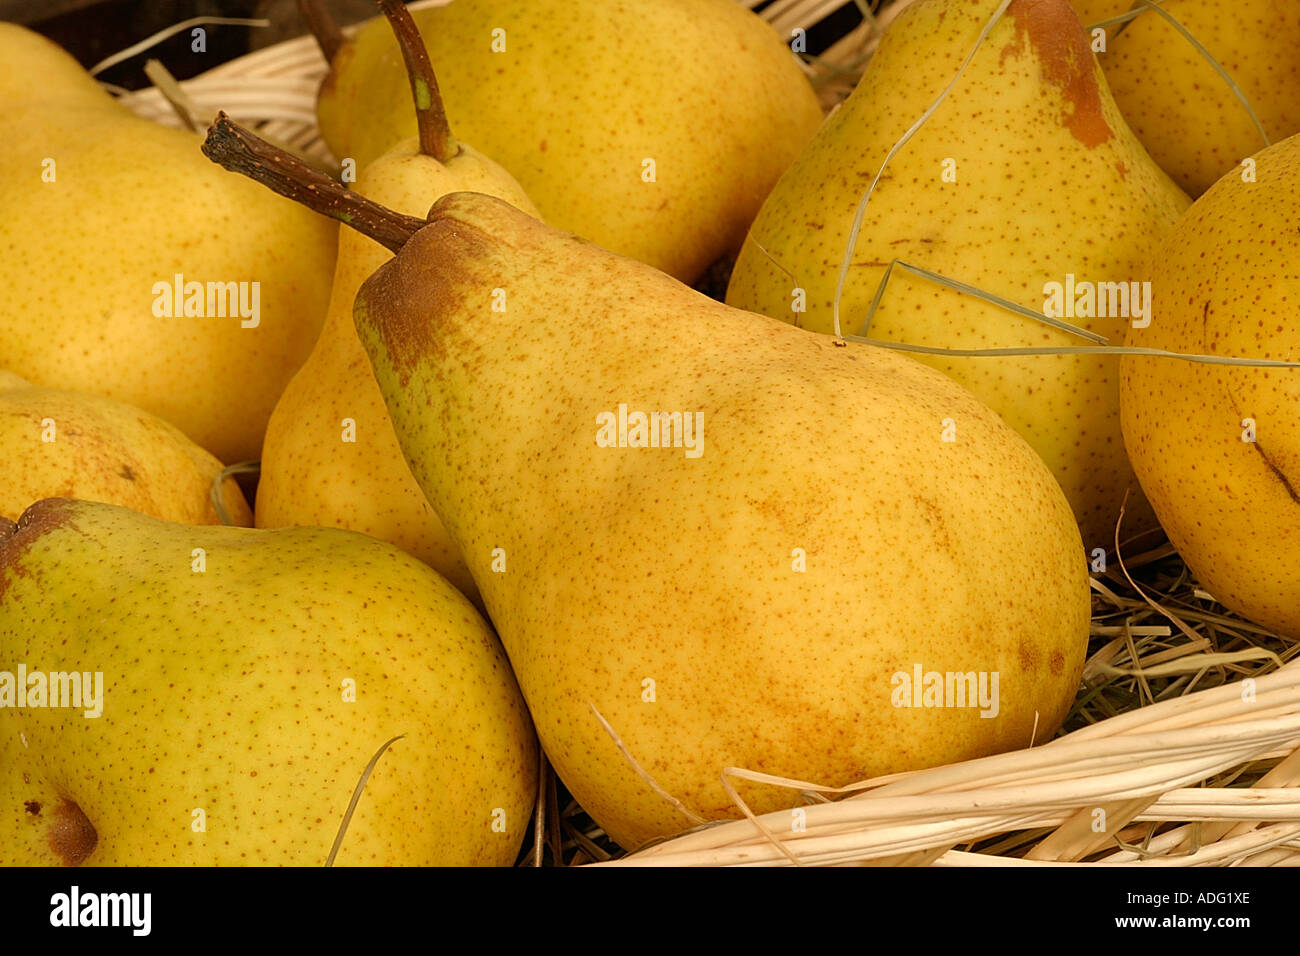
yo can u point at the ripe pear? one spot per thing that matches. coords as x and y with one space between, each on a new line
1217 448
330 456
103 211
1095 11
815 521
1024 176
56 443
1179 106
248 677
651 127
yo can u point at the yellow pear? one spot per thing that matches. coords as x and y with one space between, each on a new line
330 456
55 443
1179 106
651 127
1025 182
738 542
1217 448
107 216
233 688
1095 11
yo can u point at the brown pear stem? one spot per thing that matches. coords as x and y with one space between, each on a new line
329 37
430 116
230 145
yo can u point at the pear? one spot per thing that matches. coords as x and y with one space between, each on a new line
74 445
733 540
104 211
651 127
1095 11
330 456
231 691
1217 448
1179 106
1024 182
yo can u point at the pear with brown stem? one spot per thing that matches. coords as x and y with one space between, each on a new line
651 127
330 456
684 537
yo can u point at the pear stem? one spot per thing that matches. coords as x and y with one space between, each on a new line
323 27
237 149
430 116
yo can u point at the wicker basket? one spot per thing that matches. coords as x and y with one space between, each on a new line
1150 787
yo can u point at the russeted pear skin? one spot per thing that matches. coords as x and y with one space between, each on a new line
104 210
651 127
746 606
1025 175
248 677
1218 448
330 456
75 445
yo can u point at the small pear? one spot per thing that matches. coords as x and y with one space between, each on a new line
330 456
740 543
1179 106
1026 183
199 696
55 443
1217 448
651 127
133 269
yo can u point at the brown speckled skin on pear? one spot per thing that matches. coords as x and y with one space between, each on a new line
132 204
310 476
1178 105
223 691
630 564
103 450
1227 282
582 95
1049 181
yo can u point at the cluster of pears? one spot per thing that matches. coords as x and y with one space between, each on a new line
302 695
1026 181
811 518
988 193
175 694
521 484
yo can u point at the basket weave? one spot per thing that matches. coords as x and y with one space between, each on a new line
1106 794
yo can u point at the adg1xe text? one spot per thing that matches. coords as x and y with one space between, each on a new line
1164 899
